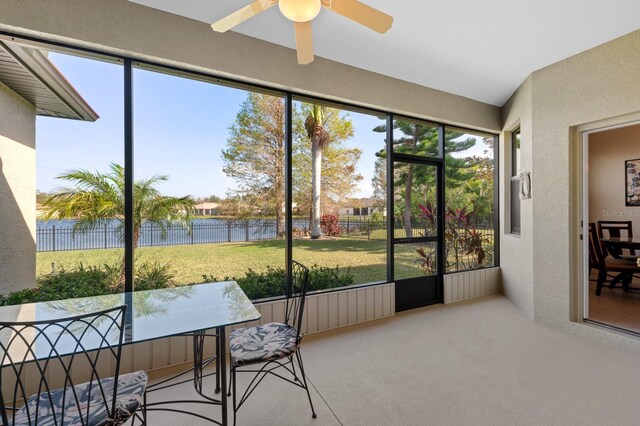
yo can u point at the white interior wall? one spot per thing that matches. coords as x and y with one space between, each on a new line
516 251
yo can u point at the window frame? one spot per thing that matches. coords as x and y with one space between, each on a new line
515 204
130 62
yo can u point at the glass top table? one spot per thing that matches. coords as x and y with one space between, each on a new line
150 315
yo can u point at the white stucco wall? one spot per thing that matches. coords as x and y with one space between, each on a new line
17 192
516 251
589 87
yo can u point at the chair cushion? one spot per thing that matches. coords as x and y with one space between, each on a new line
131 388
262 343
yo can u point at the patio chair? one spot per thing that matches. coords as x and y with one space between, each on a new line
38 356
617 229
272 348
624 268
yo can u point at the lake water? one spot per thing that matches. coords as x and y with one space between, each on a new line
58 235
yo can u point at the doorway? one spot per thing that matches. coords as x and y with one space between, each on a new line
611 190
418 232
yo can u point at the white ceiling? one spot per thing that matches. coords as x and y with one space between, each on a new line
480 49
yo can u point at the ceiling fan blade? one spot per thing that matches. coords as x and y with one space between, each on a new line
304 42
241 15
363 14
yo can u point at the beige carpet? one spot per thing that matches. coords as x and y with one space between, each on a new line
472 363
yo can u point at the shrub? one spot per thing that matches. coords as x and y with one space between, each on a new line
377 218
330 225
153 275
79 282
322 278
66 284
89 281
271 283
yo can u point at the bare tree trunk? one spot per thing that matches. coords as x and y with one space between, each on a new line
408 188
279 221
279 189
316 179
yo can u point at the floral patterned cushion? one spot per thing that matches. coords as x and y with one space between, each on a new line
262 343
131 388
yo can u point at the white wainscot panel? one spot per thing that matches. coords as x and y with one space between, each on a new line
471 284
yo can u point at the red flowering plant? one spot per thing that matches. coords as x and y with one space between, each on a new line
330 225
457 223
464 244
427 259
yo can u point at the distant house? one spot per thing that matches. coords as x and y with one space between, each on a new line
207 209
360 207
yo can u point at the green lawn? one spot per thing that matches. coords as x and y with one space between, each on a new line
366 259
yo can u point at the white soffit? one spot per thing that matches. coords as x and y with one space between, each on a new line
482 50
29 73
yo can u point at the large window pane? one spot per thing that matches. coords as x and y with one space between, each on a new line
78 184
415 200
209 171
415 138
340 193
413 260
469 193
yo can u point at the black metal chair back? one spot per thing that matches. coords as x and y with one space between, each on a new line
37 355
296 295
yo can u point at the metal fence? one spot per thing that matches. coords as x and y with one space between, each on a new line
62 237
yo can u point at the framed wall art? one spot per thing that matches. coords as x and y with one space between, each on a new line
632 184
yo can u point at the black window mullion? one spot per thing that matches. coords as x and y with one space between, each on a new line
288 177
414 240
496 201
441 215
416 159
390 192
128 177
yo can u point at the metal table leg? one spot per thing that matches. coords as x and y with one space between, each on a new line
222 361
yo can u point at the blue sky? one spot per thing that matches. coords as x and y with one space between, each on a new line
180 126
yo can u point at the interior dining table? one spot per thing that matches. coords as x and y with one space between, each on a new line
615 245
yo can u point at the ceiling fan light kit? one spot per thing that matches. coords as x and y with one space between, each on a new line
302 12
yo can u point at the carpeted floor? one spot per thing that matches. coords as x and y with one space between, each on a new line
473 363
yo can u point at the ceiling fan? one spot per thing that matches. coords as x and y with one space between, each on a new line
302 12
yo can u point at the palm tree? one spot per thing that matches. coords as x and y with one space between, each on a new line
319 137
96 199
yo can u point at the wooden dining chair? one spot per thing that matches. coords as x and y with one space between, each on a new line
39 356
274 348
624 268
617 229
